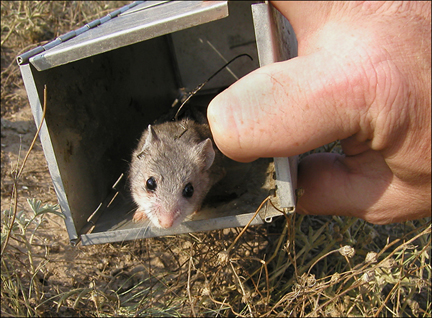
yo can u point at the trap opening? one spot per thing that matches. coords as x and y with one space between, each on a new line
107 83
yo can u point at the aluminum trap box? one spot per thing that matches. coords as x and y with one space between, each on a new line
111 78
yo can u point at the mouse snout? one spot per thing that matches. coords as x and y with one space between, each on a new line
166 220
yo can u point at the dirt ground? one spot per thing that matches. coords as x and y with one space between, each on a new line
18 129
17 133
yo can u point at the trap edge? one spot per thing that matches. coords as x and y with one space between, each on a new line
109 79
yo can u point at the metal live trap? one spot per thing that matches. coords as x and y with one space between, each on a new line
109 79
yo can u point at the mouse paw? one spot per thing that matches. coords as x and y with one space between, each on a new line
197 210
139 216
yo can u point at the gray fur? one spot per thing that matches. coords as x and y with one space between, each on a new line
175 153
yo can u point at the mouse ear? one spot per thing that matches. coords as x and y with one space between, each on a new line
205 149
150 139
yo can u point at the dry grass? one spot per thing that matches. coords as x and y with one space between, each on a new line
295 266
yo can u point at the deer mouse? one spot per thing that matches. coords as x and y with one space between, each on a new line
174 166
172 169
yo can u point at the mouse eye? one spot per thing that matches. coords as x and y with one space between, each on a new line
151 184
188 190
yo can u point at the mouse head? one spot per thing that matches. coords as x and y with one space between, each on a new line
170 175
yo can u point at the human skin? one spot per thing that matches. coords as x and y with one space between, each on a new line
363 76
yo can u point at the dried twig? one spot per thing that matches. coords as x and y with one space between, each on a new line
18 174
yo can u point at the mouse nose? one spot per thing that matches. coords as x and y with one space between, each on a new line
166 222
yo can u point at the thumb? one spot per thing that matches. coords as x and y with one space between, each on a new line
288 108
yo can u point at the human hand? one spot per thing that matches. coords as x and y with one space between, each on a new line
362 75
